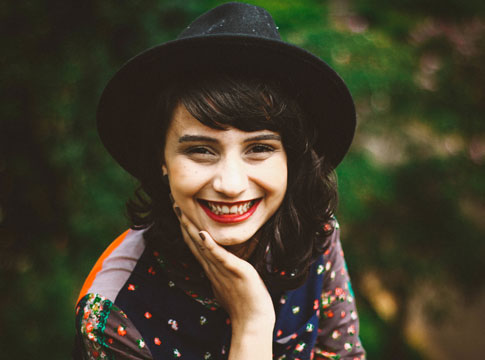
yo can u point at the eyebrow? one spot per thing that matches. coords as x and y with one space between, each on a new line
193 138
263 137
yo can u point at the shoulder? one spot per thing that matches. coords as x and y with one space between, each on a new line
103 330
338 334
115 265
333 266
333 251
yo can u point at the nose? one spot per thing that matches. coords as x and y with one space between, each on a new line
231 178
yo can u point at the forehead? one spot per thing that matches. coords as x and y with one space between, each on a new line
182 119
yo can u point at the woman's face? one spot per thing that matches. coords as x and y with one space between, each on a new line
227 182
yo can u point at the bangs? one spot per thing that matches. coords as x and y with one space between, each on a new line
221 102
245 102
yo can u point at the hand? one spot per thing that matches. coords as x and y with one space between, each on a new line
236 284
239 289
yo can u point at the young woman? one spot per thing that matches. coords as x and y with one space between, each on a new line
234 251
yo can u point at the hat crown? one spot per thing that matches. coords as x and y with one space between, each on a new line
233 19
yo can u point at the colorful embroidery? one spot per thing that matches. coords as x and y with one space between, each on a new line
294 337
336 334
320 269
95 313
300 347
173 324
327 354
208 303
121 330
351 330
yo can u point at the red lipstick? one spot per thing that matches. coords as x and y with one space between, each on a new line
229 218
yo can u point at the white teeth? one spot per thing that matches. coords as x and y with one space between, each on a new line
225 210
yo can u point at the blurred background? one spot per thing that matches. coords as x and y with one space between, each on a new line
412 189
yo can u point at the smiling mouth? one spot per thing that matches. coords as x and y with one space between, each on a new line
229 212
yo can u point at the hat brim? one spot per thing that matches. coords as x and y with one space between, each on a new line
130 96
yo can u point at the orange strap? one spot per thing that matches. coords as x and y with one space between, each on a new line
99 264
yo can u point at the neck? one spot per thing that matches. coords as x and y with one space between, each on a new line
243 251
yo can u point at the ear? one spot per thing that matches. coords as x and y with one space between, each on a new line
164 170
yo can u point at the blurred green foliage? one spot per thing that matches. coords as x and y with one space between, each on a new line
412 189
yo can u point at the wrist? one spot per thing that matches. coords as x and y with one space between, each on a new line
257 327
252 340
253 321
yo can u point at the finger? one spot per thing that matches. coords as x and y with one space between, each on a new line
208 251
213 269
190 241
187 237
191 231
207 248
221 258
217 252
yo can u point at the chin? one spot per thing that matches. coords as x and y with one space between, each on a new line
228 239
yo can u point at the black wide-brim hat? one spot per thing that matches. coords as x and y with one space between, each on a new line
231 37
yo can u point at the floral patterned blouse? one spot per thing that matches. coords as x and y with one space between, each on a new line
132 307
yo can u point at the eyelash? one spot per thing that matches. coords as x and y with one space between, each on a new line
264 148
254 149
198 150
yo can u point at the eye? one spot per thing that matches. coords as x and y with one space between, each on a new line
199 150
260 152
261 148
201 154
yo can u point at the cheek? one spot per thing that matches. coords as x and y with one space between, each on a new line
277 176
185 180
273 178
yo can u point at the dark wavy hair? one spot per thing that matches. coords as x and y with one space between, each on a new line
295 235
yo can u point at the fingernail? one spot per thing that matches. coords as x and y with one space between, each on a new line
202 236
171 197
177 211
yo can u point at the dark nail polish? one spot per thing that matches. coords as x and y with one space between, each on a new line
178 211
170 197
202 236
